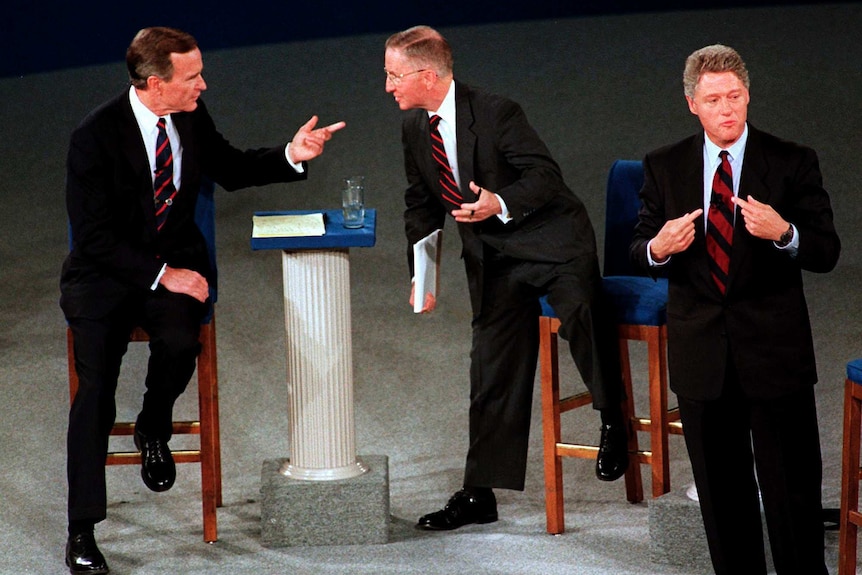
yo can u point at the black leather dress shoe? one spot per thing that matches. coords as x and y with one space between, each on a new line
463 508
157 464
613 458
82 555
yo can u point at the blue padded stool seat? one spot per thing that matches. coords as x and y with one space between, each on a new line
854 371
547 310
635 300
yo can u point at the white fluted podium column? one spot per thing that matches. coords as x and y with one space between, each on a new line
323 494
319 365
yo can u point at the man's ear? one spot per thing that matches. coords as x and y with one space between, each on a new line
692 106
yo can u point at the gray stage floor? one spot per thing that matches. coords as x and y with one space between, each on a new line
596 89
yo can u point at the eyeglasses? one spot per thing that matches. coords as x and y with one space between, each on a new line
396 78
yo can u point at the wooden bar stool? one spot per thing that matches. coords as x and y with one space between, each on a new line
639 308
553 446
206 426
639 304
851 473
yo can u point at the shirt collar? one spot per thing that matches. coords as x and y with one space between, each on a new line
735 151
447 108
145 117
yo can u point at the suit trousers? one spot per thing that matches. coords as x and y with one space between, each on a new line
173 324
505 350
727 439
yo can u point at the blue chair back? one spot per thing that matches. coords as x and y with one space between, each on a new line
205 220
625 180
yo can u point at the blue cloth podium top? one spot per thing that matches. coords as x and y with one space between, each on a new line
336 236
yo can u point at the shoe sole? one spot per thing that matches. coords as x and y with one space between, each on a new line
480 521
104 571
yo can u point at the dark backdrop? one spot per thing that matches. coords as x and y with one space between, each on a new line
37 36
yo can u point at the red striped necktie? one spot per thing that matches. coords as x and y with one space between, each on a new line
450 190
163 183
719 227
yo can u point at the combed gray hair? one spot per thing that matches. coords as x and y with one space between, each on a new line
425 46
716 58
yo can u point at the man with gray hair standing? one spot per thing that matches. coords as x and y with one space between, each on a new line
733 215
473 156
134 168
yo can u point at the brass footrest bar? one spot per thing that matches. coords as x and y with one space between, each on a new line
192 427
591 452
584 451
122 457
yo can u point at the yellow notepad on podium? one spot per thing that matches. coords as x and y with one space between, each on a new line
288 226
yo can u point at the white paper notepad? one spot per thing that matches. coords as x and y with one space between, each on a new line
288 226
426 263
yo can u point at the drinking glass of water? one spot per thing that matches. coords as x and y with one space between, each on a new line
353 201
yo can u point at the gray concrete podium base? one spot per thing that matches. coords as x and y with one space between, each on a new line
297 512
677 536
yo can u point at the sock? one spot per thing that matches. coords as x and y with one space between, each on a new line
77 527
611 416
478 492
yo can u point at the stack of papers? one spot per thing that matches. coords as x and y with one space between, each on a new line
288 226
426 262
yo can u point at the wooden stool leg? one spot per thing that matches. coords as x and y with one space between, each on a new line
660 463
633 478
208 402
550 382
850 479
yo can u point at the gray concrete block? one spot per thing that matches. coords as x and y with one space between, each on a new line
351 511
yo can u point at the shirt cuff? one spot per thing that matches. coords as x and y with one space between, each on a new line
298 167
650 259
793 247
159 277
504 216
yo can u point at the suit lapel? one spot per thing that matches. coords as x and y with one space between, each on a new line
754 168
182 123
466 135
422 147
134 149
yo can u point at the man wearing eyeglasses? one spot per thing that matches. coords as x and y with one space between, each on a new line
474 156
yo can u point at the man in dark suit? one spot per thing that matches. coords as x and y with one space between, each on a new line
733 215
524 234
134 168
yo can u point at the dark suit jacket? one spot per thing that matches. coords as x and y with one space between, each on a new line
764 316
500 151
109 198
